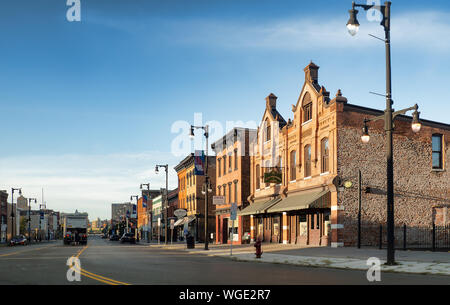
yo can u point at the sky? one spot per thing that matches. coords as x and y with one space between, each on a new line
88 108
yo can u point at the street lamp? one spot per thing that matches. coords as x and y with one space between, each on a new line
137 218
388 117
166 167
149 220
12 211
29 217
207 183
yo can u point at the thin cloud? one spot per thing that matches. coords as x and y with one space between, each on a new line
85 182
315 33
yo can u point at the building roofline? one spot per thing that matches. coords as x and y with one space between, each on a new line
371 111
230 134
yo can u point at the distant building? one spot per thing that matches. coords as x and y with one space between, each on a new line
119 211
3 215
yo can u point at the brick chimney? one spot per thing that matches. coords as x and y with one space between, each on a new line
271 101
312 73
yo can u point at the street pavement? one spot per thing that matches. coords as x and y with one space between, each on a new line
110 263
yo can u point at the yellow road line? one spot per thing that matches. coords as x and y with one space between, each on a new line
102 277
28 250
97 277
81 251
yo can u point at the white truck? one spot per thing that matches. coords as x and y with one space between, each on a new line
75 228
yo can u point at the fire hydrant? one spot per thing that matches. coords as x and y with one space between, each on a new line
257 245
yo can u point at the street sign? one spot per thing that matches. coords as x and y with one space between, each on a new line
233 212
218 200
180 213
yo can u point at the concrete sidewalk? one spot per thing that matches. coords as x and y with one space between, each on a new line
419 262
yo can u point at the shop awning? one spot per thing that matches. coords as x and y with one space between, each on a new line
184 220
258 207
306 200
179 222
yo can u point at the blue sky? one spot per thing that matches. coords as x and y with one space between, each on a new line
87 107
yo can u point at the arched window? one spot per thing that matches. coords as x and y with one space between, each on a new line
307 161
324 151
307 107
257 177
293 170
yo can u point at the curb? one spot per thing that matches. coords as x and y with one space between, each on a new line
331 265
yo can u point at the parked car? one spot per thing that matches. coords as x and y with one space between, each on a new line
18 240
128 238
114 237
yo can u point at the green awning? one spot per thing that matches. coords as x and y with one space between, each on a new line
258 207
305 200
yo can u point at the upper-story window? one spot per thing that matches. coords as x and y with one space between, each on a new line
436 146
307 161
229 192
266 170
257 177
235 159
224 164
292 166
229 162
235 192
268 130
307 107
307 112
325 155
218 167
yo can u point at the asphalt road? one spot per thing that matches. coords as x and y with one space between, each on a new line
111 263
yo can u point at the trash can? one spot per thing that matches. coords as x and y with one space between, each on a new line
190 242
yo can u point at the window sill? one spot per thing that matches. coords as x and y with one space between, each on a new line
326 173
307 178
304 123
293 181
438 170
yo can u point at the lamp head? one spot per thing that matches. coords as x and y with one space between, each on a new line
416 125
352 23
191 135
365 136
156 169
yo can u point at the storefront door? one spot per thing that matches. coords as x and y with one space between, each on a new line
225 231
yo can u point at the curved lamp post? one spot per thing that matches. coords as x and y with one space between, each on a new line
166 167
13 215
29 217
207 182
388 117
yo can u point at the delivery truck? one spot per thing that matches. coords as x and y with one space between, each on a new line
75 228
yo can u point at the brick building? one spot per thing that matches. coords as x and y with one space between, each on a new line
144 211
190 196
320 149
233 182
